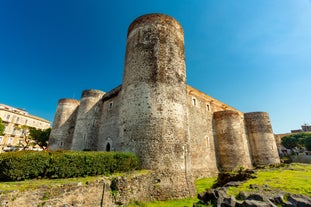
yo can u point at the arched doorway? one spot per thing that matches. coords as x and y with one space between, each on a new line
108 147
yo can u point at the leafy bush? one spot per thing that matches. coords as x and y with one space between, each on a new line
63 164
23 165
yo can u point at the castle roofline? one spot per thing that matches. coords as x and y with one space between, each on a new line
154 18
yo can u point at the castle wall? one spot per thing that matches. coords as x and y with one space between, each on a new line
175 130
63 125
153 110
202 147
108 135
231 143
211 103
264 150
87 123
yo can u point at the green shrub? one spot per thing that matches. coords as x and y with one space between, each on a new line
63 164
23 165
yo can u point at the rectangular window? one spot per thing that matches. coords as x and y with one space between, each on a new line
10 140
194 102
7 117
1 138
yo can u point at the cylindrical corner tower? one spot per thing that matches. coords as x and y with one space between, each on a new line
85 134
153 112
231 145
262 142
63 124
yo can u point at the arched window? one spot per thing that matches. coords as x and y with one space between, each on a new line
207 107
194 102
108 147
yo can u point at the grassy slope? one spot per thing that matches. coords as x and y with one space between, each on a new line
295 178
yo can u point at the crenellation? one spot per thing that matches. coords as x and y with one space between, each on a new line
177 131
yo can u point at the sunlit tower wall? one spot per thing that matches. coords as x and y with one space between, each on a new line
86 130
153 110
231 143
262 142
63 125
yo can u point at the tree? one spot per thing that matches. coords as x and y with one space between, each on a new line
308 143
289 142
40 136
25 135
299 140
2 127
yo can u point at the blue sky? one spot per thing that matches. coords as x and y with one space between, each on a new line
252 55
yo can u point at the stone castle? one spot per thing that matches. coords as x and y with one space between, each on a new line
175 130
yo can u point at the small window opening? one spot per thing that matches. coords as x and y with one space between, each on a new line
194 102
110 105
207 141
207 107
108 147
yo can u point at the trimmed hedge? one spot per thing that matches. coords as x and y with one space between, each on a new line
63 164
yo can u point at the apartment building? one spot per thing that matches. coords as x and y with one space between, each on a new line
14 119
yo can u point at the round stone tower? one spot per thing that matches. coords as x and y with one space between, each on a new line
85 134
263 145
231 145
153 111
63 125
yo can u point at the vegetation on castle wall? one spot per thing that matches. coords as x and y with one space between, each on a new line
63 164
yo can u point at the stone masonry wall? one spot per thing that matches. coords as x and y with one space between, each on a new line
202 147
64 124
232 144
104 192
264 150
153 108
108 135
73 195
86 128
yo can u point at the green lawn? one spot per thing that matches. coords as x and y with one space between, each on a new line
295 178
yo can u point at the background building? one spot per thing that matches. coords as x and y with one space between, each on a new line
14 119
